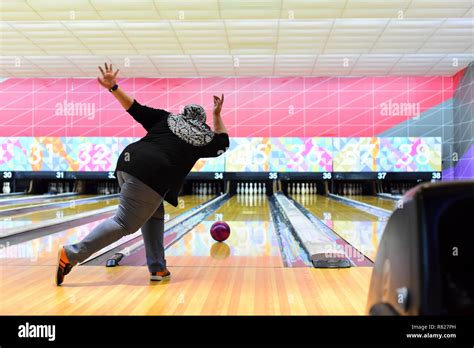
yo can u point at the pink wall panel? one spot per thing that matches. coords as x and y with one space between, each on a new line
253 106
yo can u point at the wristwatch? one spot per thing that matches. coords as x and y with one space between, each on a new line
114 87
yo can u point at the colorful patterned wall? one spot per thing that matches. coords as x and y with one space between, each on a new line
246 154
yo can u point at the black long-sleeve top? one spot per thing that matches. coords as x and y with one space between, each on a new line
161 159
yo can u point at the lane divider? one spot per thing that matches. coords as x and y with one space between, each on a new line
390 196
382 214
293 253
324 252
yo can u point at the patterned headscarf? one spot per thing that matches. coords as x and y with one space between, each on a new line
190 125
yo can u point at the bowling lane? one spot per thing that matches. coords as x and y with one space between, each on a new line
34 218
42 250
252 242
42 201
4 196
379 202
362 230
185 203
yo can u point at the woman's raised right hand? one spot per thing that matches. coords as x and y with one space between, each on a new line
108 79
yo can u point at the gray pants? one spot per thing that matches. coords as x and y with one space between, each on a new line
140 206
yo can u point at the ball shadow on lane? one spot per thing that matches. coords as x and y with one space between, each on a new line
220 251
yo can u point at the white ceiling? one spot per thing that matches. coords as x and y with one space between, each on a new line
171 38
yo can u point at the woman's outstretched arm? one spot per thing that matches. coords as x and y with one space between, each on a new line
218 123
108 80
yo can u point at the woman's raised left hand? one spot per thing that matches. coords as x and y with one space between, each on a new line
218 102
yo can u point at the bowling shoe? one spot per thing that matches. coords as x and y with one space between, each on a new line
162 275
63 266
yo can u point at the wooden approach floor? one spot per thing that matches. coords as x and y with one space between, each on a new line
97 290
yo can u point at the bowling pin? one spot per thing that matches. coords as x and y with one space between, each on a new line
264 189
298 188
60 187
6 187
246 188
